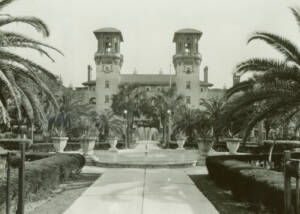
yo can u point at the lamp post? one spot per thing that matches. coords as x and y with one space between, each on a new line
169 126
126 128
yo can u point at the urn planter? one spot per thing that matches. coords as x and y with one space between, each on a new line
233 144
87 145
59 143
180 143
205 145
113 144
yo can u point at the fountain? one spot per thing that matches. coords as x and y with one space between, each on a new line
148 154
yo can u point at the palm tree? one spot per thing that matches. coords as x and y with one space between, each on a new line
188 121
213 109
274 88
163 102
19 76
133 99
71 108
108 123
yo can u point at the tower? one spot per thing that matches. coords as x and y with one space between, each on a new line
186 61
108 65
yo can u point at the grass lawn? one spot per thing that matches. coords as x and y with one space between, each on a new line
64 196
223 200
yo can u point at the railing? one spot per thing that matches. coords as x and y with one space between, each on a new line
21 176
291 169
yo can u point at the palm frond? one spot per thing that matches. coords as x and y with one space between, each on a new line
260 65
11 57
16 37
36 23
4 114
296 15
240 87
4 3
12 90
274 109
284 46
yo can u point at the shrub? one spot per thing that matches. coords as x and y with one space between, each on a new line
41 176
248 182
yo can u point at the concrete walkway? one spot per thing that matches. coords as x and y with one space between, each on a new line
143 191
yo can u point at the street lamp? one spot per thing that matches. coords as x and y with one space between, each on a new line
126 128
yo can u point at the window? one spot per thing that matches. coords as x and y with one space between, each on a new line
187 47
106 99
158 89
108 45
201 89
147 89
106 84
188 84
188 100
188 69
116 47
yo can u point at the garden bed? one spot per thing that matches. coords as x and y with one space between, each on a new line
41 176
247 182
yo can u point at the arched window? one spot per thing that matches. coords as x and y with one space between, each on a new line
187 47
108 45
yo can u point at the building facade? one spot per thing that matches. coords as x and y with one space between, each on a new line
186 62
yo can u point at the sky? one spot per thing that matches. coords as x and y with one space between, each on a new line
148 27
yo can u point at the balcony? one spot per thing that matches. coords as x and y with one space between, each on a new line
104 56
196 56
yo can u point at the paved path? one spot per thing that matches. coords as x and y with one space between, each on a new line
143 191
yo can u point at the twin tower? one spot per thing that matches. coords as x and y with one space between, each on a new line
186 62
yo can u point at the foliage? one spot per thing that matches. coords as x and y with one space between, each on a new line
19 76
205 125
251 183
164 101
88 127
131 97
213 110
191 122
59 124
273 89
109 125
71 113
181 136
41 177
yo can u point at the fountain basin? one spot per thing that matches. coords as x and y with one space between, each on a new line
160 158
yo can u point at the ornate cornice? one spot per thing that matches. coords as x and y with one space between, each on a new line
103 58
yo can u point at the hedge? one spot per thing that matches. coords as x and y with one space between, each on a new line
41 176
247 182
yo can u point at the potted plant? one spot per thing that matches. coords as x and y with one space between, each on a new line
111 127
59 139
232 142
180 140
88 136
112 141
205 132
57 126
